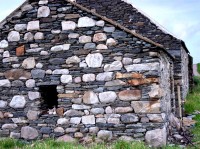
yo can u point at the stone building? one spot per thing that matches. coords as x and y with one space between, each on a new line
68 72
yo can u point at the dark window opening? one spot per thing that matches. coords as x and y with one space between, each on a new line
49 96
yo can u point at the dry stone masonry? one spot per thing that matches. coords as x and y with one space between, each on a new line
69 73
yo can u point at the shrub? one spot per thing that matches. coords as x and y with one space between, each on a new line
198 68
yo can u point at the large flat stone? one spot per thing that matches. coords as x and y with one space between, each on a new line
142 67
146 106
29 133
106 76
129 95
116 65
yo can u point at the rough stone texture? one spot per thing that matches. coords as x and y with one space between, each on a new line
85 39
43 11
68 25
86 22
3 44
94 60
99 37
66 78
33 95
90 98
116 65
17 102
66 138
89 119
129 118
5 83
9 126
105 135
156 138
3 104
13 36
146 106
73 60
129 95
29 133
106 76
33 25
88 77
32 115
142 67
107 97
29 63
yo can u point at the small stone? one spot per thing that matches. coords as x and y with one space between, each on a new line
43 11
77 80
93 130
45 130
129 118
29 63
156 91
62 121
32 115
57 61
157 118
96 111
59 130
34 50
137 60
68 25
107 97
105 135
73 113
33 25
15 135
85 39
10 59
29 133
28 37
60 72
116 65
144 120
100 23
17 102
33 95
78 135
73 60
80 107
8 115
20 51
5 83
57 48
127 61
90 98
111 42
113 120
86 22
66 46
89 119
38 73
123 109
75 120
101 47
73 35
89 46
20 27
66 138
39 36
72 16
3 44
60 111
115 83
6 54
39 65
30 83
66 79
109 29
26 7
55 31
94 60
129 95
9 126
13 36
106 76
43 2
109 110
3 104
88 77
156 138
101 120
99 37
126 138
146 106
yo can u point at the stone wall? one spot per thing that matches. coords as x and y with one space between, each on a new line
124 13
110 84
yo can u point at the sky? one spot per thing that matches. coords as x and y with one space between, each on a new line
180 18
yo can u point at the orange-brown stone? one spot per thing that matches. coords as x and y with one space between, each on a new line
60 111
20 50
128 75
129 95
136 82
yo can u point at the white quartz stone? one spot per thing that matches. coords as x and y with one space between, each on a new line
17 101
94 60
33 25
68 25
43 11
13 36
66 79
86 22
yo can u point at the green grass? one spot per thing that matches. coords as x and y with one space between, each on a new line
198 67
